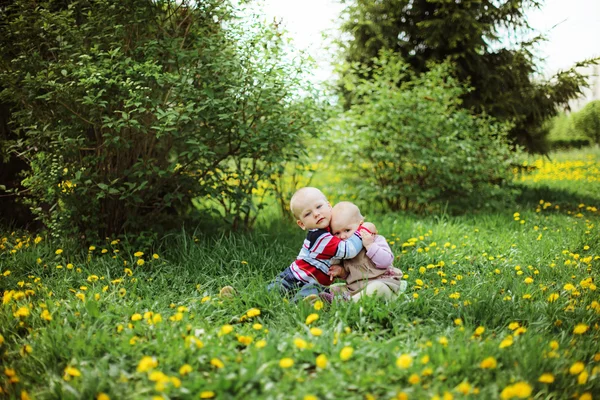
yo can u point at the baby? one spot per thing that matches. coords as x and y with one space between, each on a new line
370 273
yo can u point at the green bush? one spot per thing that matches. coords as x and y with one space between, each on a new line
412 146
587 121
129 110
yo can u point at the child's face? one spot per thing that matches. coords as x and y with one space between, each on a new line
314 212
343 225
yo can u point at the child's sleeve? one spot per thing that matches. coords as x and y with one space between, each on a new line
380 253
342 249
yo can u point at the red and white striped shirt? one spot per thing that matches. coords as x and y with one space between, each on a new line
320 247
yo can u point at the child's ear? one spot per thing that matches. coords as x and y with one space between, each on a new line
301 225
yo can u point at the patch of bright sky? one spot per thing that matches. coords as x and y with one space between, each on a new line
572 29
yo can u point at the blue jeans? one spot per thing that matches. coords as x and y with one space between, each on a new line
286 283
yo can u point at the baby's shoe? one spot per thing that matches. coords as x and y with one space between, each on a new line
227 292
311 298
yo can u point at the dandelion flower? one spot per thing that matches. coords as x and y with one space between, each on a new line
321 361
414 379
464 387
582 378
207 394
286 362
146 364
46 315
311 318
576 368
215 362
71 372
521 390
489 363
404 361
58 252
546 378
507 342
316 331
300 343
253 312
580 329
346 353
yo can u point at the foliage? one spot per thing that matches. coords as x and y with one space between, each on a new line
469 34
413 147
587 120
128 110
562 134
493 300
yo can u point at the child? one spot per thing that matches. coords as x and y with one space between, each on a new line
310 269
371 271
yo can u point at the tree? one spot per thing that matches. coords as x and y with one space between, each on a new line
587 120
126 111
468 33
414 147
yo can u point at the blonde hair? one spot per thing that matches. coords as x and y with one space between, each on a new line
301 194
350 210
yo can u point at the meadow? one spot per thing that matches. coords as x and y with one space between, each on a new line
499 305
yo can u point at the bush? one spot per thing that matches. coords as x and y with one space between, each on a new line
587 121
414 148
129 110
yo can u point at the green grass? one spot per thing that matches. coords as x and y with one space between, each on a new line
464 272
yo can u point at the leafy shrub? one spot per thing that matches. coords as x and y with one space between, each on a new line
587 121
413 147
129 110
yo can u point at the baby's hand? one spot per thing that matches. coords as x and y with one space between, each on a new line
367 238
336 271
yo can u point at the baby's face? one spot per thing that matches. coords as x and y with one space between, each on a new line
314 212
342 225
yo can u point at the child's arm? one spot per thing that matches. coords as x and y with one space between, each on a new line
379 252
348 248
324 246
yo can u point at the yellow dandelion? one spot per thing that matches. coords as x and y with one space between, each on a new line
300 343
311 318
215 362
207 394
146 364
321 361
489 363
253 312
346 353
414 379
546 378
286 362
580 329
404 361
316 331
46 315
576 368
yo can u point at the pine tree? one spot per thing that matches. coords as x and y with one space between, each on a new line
468 32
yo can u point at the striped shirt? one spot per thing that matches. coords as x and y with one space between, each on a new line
320 247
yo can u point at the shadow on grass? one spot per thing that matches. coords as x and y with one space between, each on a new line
531 196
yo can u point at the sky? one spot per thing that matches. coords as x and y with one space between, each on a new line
571 26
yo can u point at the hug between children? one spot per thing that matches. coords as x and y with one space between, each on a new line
338 244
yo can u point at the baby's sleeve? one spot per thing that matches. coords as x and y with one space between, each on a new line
380 253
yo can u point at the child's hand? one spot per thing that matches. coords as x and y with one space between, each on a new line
336 271
367 239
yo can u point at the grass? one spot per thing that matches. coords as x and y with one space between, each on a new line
498 305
